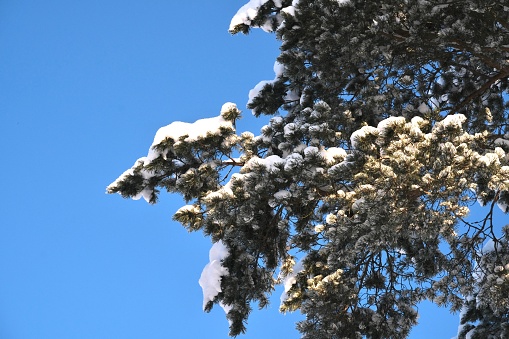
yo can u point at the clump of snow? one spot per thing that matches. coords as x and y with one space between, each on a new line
503 143
126 173
289 129
503 206
293 161
310 151
291 279
254 92
210 279
280 195
190 131
290 9
225 191
292 96
462 314
274 121
488 247
217 195
198 129
389 123
146 193
451 121
188 208
489 158
227 107
269 162
278 71
358 204
423 108
415 126
361 134
248 12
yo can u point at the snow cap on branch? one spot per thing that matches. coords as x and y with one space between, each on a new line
210 279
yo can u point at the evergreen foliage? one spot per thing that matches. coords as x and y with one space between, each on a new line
389 122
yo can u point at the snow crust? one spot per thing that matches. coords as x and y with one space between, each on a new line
210 279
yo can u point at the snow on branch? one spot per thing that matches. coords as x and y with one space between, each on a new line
210 279
247 13
138 181
191 131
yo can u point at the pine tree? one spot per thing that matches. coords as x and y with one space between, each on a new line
389 122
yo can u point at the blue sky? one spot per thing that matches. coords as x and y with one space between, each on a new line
84 86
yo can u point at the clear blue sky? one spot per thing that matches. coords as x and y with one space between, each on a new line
84 86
